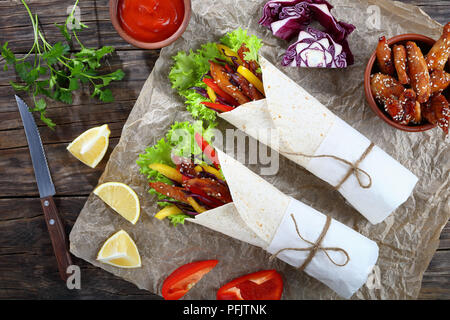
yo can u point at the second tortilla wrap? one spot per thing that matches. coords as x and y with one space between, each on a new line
258 214
306 128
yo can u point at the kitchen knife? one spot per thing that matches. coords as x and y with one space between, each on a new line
46 190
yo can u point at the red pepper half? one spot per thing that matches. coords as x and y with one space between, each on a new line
209 151
179 282
213 85
262 285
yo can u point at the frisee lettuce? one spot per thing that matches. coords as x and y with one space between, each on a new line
188 70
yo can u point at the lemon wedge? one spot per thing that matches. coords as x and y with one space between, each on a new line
90 147
120 251
121 198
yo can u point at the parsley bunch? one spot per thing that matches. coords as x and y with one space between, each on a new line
55 71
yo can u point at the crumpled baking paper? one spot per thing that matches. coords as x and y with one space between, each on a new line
408 238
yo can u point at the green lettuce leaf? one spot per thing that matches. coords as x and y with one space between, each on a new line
236 38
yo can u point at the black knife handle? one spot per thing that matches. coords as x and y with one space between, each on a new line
57 235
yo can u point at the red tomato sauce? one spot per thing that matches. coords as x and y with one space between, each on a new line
150 20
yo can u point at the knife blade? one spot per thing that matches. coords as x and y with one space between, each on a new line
46 190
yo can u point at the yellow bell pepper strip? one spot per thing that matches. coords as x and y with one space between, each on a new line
167 171
198 208
227 52
247 74
211 94
168 211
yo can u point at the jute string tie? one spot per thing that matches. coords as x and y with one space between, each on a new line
353 167
315 247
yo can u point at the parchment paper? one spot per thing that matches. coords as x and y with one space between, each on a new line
407 239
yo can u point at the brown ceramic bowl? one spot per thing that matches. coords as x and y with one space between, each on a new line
149 45
425 45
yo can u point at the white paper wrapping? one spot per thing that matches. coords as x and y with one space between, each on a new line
392 183
304 125
344 280
260 215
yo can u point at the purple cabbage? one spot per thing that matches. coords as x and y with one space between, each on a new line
292 20
201 91
315 49
337 29
273 9
288 18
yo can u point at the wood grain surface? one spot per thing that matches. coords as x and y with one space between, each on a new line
28 268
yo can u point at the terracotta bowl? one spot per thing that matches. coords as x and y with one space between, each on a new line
425 45
149 45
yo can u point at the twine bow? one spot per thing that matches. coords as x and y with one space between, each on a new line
353 167
315 247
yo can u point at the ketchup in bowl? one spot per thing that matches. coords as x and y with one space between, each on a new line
150 20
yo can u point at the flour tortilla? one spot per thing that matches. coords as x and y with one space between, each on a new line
303 125
257 209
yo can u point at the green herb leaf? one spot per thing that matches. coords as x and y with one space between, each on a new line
18 87
54 71
55 53
47 121
106 96
40 105
103 51
64 96
73 84
64 31
9 56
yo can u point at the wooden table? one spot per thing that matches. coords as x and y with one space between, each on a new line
27 264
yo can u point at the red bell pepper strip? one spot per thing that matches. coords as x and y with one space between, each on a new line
229 99
262 285
209 151
228 68
217 106
180 281
212 190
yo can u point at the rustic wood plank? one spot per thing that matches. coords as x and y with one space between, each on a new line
16 28
25 249
26 257
437 9
70 176
436 280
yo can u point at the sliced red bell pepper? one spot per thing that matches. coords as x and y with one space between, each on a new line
180 281
262 285
216 192
217 106
229 99
209 151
